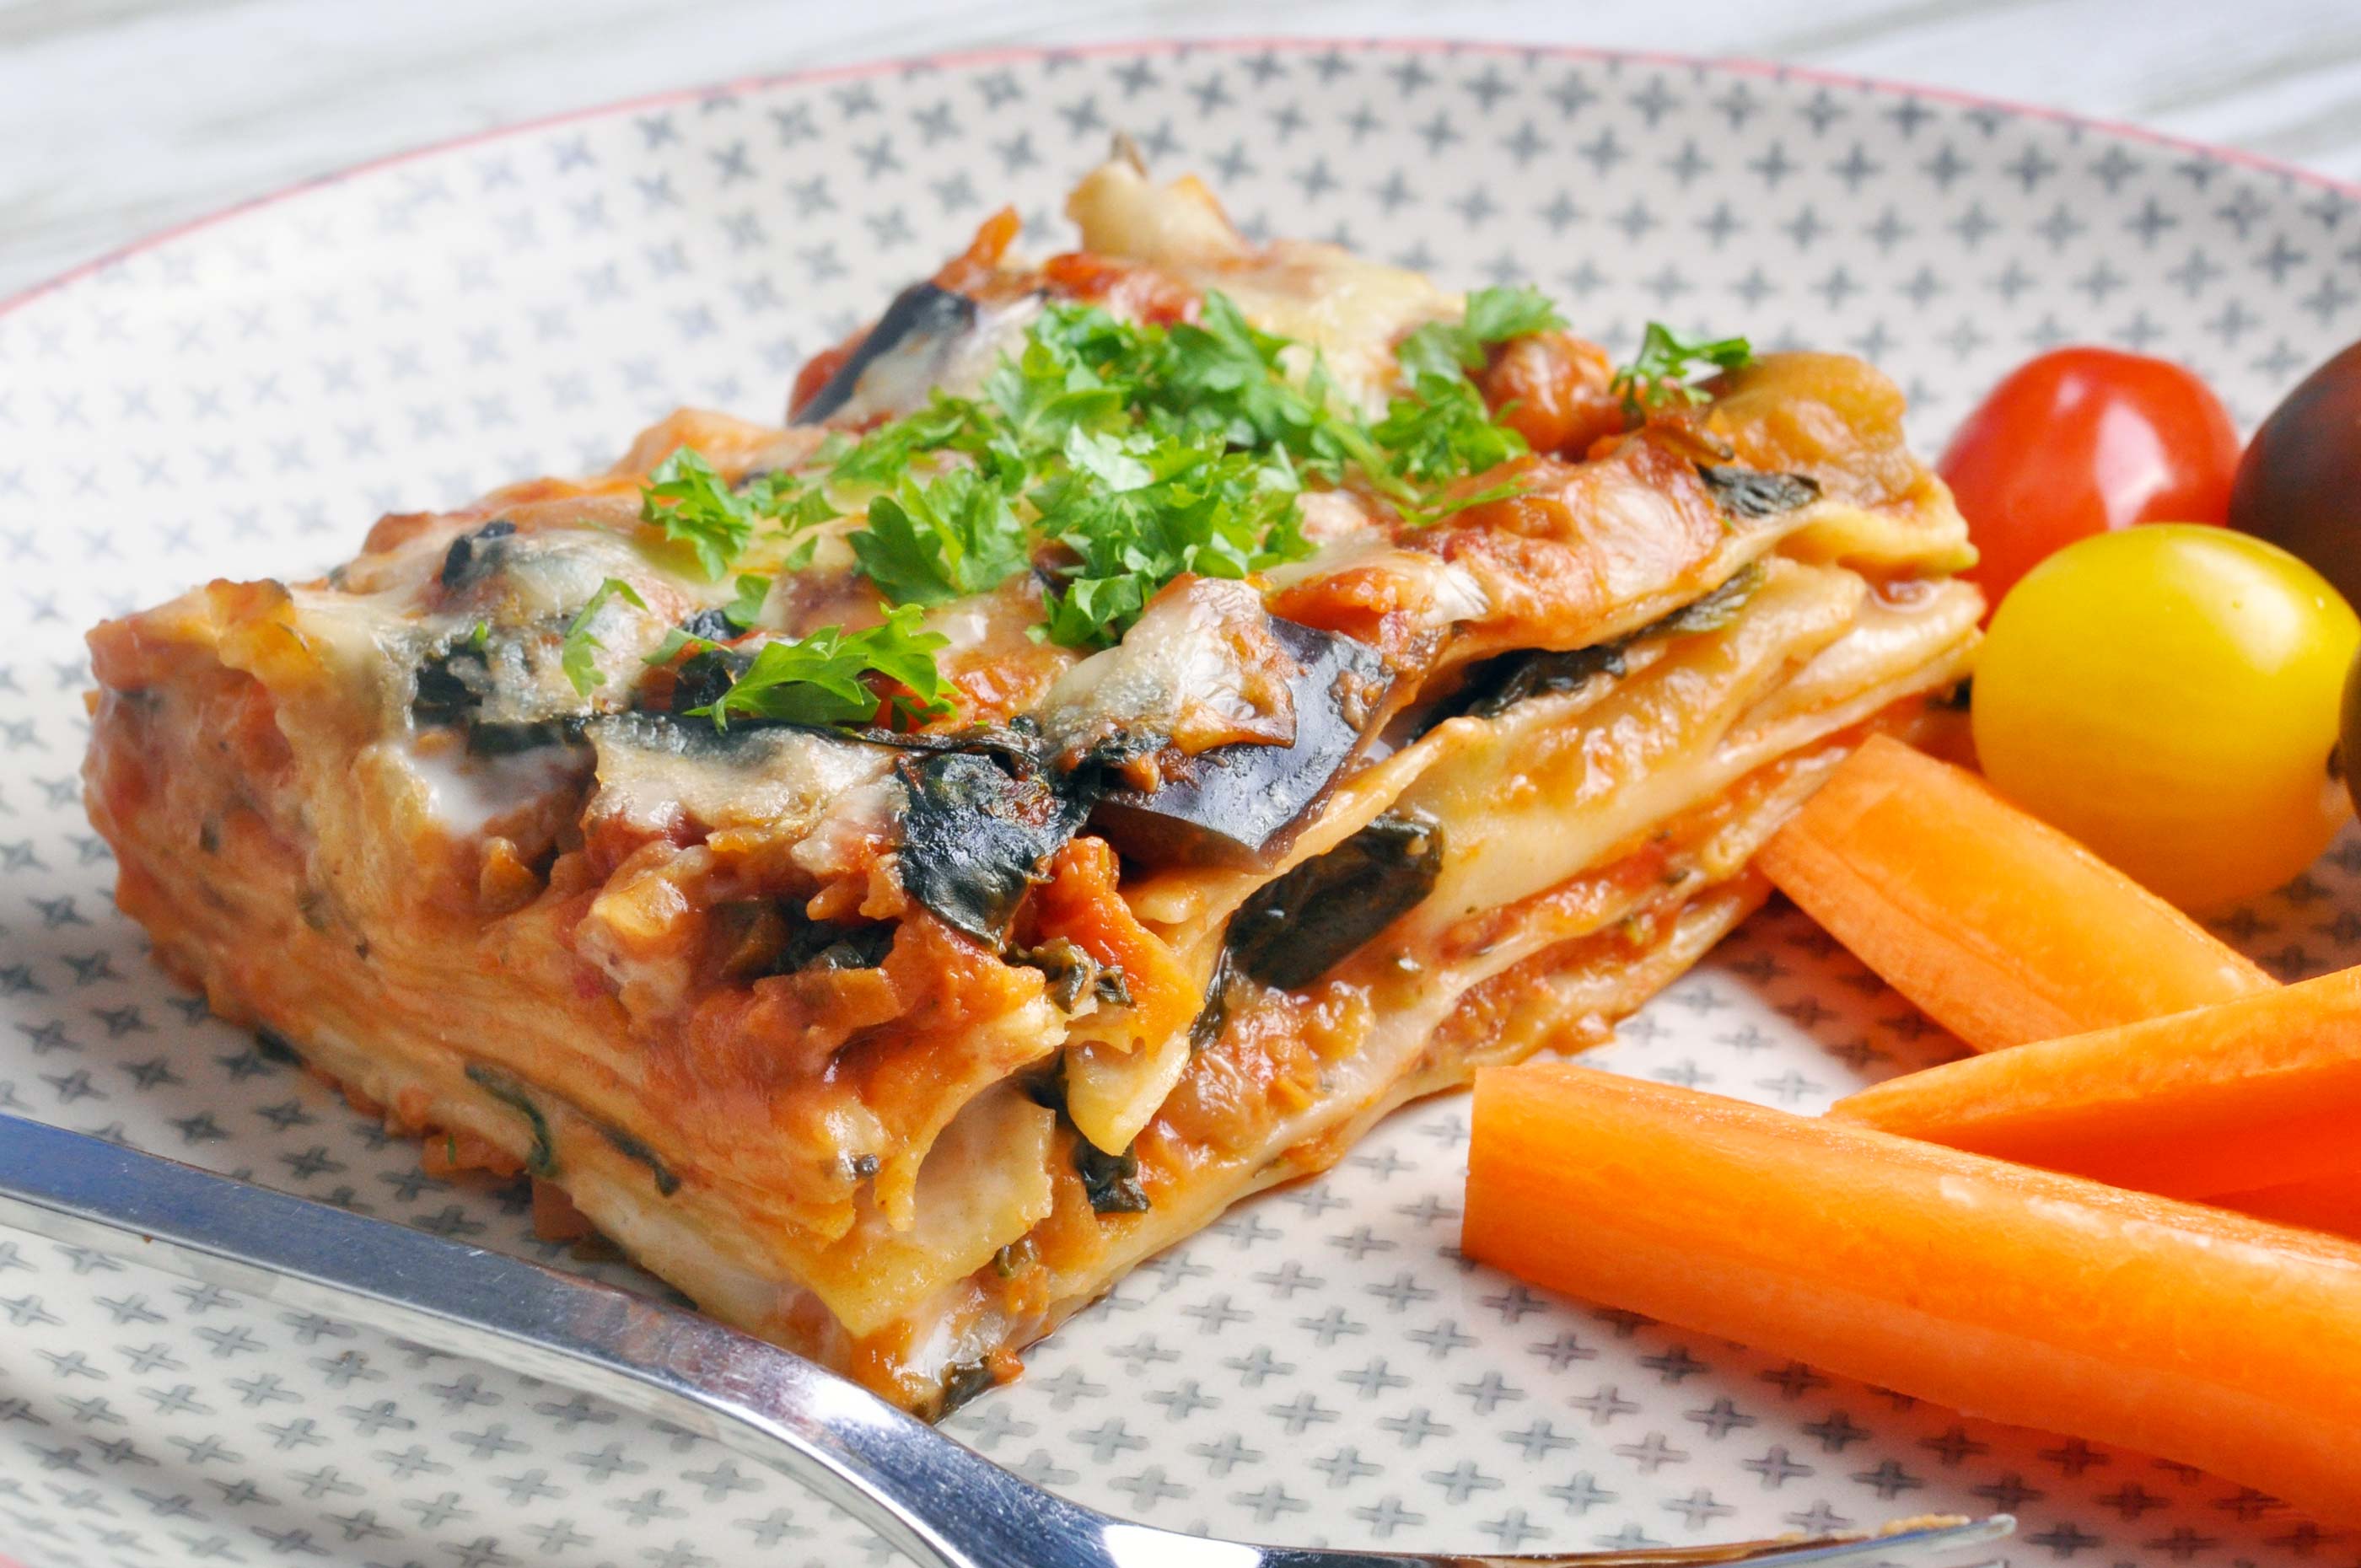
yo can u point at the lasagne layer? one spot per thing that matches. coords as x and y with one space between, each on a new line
1007 1240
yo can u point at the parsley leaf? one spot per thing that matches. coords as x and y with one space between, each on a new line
574 653
744 610
1493 315
676 643
1659 373
826 678
1080 368
1444 431
695 507
1135 512
1226 376
884 454
791 498
1441 428
929 544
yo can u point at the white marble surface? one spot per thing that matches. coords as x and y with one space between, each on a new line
119 118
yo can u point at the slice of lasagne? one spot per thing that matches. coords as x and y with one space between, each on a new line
1143 716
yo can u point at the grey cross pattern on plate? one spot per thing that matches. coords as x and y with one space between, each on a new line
241 400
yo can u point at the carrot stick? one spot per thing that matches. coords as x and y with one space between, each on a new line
2194 1333
2330 1204
2250 1093
2000 927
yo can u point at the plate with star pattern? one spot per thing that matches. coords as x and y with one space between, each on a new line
242 398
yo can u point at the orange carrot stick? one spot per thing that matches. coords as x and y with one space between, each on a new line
2250 1093
2329 1203
2000 927
2194 1333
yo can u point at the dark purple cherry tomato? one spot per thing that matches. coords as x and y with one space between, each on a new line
2299 484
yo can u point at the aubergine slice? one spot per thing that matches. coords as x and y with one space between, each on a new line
1242 805
905 350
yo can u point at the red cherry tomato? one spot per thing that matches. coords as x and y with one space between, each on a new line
2081 441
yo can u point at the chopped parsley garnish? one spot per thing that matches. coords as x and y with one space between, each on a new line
884 454
1226 376
1659 373
1441 429
746 607
575 653
1108 455
827 677
1493 315
676 643
1441 433
1147 451
930 543
1136 512
695 506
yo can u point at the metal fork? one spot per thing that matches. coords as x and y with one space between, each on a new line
938 1501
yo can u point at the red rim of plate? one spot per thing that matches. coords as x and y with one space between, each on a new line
1733 66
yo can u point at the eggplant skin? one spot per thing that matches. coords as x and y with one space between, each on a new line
978 834
1305 923
1242 805
924 319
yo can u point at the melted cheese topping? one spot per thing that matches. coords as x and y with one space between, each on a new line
1201 667
657 775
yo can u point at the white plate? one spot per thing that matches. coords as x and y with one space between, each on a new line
243 398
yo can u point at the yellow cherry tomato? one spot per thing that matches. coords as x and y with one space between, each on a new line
2169 695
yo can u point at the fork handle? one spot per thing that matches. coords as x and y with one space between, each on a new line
940 1502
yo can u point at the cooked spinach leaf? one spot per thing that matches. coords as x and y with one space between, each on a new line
543 1159
1301 926
962 1381
630 1147
1072 973
1751 492
978 834
472 555
834 945
489 739
1111 1182
1709 612
450 686
1499 683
